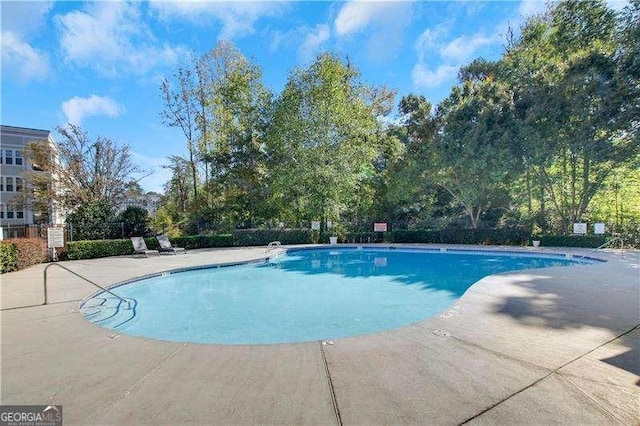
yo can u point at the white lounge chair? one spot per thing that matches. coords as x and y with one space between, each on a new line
166 247
140 247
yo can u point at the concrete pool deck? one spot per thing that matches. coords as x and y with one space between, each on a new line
546 346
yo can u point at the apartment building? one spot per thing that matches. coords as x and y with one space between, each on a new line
13 212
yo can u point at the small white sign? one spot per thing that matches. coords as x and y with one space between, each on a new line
55 237
380 227
579 228
329 224
598 228
315 225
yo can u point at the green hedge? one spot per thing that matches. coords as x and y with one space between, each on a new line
8 257
262 237
589 241
20 253
102 248
505 236
201 241
98 248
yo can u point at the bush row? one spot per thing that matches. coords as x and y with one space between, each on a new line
20 253
246 238
262 237
589 241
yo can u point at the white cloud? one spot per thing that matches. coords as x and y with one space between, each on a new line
22 61
464 47
237 17
20 21
385 22
355 16
313 40
111 37
24 17
76 108
424 77
532 7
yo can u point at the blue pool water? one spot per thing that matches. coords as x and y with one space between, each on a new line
304 295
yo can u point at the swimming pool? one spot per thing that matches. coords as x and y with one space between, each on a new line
304 295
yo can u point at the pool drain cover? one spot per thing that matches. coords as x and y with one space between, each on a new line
441 333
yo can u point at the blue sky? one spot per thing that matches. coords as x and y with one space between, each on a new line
99 64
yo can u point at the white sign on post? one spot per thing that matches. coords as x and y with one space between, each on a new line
579 228
380 227
598 228
55 237
329 224
315 225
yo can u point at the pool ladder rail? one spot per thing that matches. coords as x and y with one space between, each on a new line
79 276
610 242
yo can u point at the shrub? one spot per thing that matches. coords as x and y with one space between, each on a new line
92 221
201 241
90 249
262 237
589 241
8 256
501 236
134 222
20 253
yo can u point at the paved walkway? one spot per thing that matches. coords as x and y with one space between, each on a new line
552 346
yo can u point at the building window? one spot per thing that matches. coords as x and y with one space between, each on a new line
1 184
18 184
1 156
19 212
18 157
1 211
9 212
9 182
8 157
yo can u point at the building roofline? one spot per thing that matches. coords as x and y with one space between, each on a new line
17 129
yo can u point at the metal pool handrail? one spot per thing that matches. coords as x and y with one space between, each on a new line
127 304
613 240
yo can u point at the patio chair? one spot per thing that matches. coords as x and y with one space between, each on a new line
140 247
166 247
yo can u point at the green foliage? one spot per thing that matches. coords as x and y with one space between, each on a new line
536 137
592 241
90 249
20 253
93 220
501 236
203 241
8 256
134 222
260 237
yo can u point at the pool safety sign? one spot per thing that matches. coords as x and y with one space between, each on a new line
380 227
55 237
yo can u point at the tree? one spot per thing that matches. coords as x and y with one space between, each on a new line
134 222
322 142
93 220
78 171
570 105
180 99
475 157
233 126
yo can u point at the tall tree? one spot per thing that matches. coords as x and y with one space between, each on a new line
322 141
182 99
232 122
79 170
475 157
568 103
